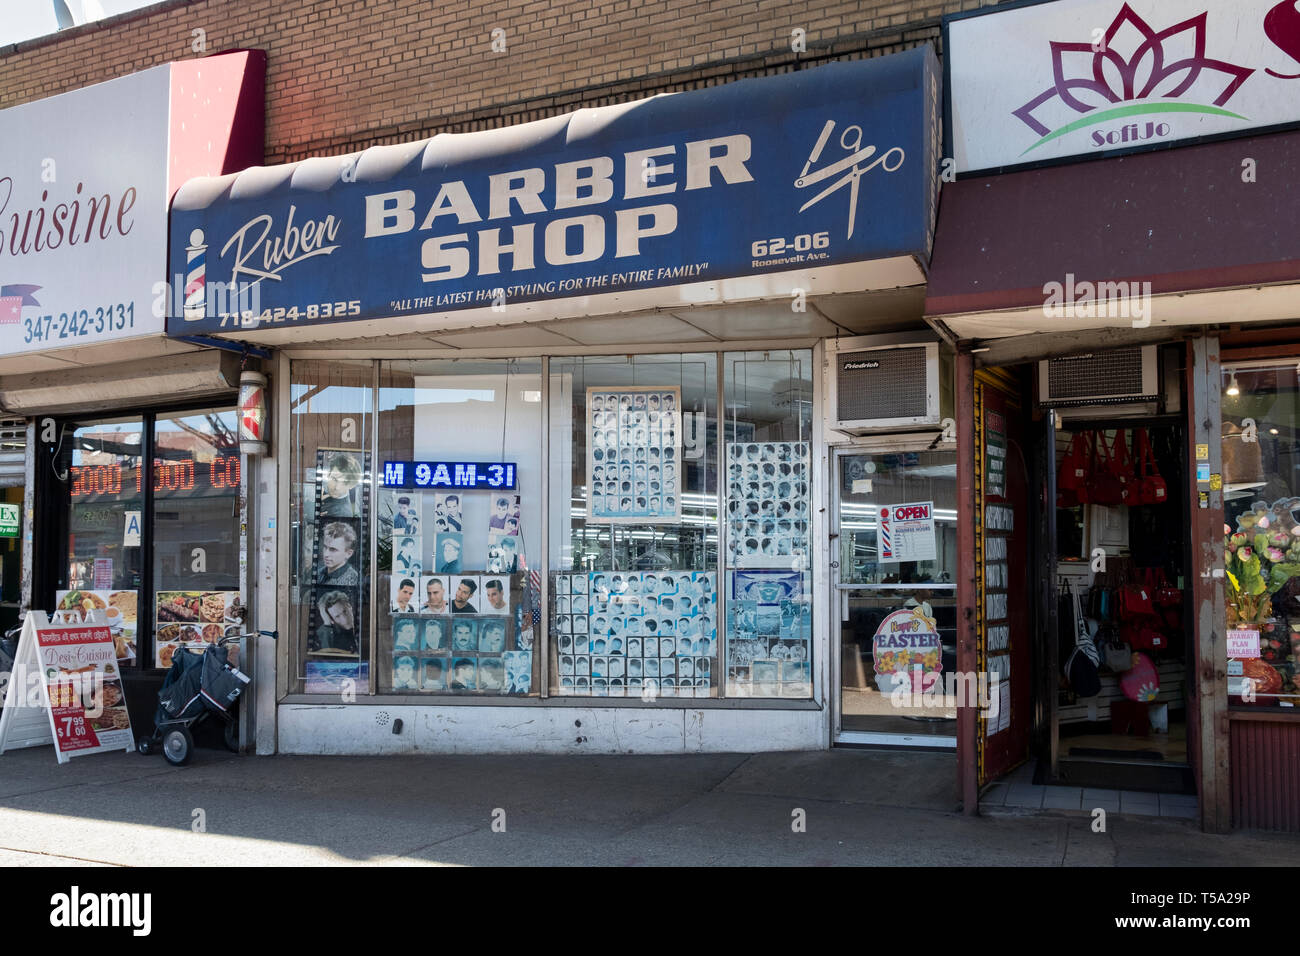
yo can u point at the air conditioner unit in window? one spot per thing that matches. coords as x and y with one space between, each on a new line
1111 377
888 383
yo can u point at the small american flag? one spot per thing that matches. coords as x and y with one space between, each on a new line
11 309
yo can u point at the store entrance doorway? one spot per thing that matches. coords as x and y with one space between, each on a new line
894 564
1117 714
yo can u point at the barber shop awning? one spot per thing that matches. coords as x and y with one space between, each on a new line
815 183
1197 235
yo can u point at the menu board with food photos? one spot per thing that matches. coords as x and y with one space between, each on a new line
82 704
121 609
193 619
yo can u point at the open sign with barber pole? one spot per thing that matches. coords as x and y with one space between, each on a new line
70 672
906 532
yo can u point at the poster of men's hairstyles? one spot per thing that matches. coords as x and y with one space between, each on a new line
769 635
767 504
475 648
618 633
634 461
337 620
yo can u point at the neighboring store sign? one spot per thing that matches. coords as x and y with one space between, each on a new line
449 474
1087 77
83 213
10 520
66 691
906 532
907 642
782 174
85 181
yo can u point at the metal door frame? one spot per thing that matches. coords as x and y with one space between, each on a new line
837 594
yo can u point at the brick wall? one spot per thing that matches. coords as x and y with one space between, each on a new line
346 74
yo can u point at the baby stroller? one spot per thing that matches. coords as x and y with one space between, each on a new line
199 684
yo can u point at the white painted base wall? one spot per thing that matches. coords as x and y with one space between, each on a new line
361 730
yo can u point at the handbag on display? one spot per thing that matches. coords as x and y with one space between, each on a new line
1117 655
1166 595
1105 487
1152 489
1121 462
1141 682
1143 635
1072 479
1135 602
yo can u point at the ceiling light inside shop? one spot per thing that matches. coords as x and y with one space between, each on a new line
531 395
1233 390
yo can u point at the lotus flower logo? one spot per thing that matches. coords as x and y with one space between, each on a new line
1099 80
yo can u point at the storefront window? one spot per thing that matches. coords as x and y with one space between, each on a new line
331 417
768 489
105 481
195 530
634 526
459 526
1261 493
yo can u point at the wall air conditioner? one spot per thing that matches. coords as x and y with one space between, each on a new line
1120 376
888 383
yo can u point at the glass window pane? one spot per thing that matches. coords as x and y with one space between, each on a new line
1261 504
195 530
331 416
105 533
768 486
459 512
634 519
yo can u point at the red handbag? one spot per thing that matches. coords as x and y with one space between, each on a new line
1152 489
1072 480
1121 463
1135 602
1106 488
1143 637
1166 595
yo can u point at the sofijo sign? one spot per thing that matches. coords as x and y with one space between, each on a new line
1088 77
800 172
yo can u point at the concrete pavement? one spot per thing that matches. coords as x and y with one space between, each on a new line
861 808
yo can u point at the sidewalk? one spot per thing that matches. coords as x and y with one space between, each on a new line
862 808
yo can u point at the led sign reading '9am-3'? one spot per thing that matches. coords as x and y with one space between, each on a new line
220 472
449 474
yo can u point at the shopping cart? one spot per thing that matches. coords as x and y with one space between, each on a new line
200 684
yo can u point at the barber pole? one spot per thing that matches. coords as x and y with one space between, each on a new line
196 277
886 537
252 413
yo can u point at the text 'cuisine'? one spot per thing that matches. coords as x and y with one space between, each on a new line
576 239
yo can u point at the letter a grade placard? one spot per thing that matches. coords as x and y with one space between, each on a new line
66 690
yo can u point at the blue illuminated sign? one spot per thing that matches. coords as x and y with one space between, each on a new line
449 474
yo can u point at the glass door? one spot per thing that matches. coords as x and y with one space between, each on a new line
894 569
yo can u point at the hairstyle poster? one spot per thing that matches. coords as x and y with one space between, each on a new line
634 462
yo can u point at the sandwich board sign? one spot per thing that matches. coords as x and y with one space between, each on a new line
66 688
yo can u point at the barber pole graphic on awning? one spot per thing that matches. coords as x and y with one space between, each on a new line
195 277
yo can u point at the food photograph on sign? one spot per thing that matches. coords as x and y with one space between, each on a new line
767 504
79 669
194 619
120 608
634 469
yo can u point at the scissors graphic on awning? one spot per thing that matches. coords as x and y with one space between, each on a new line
850 141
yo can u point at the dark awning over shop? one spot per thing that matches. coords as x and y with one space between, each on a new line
1217 220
